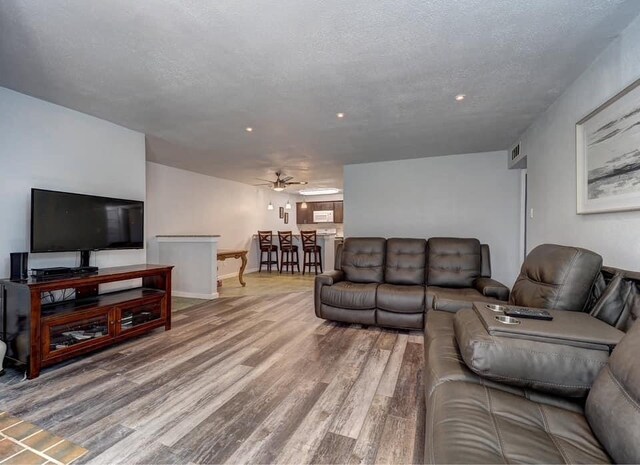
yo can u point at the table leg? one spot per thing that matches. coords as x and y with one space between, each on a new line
243 257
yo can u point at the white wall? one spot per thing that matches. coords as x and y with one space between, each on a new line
184 202
48 146
550 146
470 195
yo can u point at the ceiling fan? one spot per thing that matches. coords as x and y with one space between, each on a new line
280 183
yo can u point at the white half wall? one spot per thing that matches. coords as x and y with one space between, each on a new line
51 147
469 195
550 147
184 202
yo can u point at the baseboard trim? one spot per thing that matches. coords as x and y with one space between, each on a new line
195 295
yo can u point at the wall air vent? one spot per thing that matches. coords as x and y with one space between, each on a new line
515 152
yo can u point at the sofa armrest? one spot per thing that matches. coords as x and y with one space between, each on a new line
562 356
491 288
327 278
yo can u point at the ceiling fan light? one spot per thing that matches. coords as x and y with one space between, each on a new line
320 191
288 205
278 188
270 206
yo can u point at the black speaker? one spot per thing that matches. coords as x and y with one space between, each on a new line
19 265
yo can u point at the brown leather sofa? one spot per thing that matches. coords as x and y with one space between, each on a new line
474 418
392 282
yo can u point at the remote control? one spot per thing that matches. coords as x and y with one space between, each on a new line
533 313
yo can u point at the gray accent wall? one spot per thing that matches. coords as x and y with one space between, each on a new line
550 147
469 195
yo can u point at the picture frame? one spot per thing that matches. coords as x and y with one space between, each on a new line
281 210
608 155
286 218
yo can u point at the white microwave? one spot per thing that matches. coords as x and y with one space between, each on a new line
323 216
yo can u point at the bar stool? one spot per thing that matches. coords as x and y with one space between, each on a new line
265 242
288 252
310 249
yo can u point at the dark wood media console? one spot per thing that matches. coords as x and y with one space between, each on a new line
40 333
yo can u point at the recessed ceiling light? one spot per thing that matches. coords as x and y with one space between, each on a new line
320 191
460 97
340 115
249 129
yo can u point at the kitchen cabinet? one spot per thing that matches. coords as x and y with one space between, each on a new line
322 206
305 215
338 212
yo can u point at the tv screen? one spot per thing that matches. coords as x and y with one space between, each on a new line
65 222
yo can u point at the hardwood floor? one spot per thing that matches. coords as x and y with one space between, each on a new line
254 379
266 283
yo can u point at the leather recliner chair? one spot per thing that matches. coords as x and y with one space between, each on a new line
558 277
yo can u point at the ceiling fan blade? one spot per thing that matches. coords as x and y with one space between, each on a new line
297 182
287 179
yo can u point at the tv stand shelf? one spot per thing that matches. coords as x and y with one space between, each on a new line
40 334
109 299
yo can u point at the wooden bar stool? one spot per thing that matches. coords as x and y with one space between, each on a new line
311 251
265 242
288 252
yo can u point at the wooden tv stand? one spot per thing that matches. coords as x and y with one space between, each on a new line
40 333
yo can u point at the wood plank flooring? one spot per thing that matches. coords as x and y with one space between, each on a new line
253 379
267 283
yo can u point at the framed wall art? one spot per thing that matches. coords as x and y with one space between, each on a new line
608 155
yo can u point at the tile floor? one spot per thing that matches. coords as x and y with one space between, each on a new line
25 444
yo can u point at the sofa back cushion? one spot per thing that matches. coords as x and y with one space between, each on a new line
619 302
613 405
453 262
556 276
405 261
363 259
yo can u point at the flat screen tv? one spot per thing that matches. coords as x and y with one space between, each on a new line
66 222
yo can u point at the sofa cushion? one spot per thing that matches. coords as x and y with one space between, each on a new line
363 259
452 300
345 294
619 303
405 261
473 423
400 299
613 405
363 317
400 320
556 276
453 262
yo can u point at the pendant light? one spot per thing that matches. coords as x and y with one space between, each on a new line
303 205
288 206
270 206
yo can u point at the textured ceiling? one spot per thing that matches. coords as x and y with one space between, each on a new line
193 74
